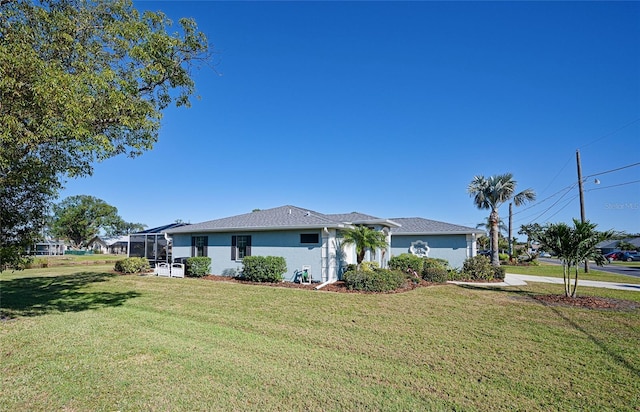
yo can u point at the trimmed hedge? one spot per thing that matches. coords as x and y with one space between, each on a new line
406 262
198 266
132 265
380 280
436 275
264 268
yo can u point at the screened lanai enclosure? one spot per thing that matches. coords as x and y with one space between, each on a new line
152 244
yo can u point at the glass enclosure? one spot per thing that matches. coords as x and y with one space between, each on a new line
153 246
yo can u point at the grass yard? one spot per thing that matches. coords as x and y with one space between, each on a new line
85 339
545 269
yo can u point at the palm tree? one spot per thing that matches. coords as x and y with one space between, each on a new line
491 193
364 238
573 245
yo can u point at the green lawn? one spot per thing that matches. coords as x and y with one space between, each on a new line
551 270
95 341
74 260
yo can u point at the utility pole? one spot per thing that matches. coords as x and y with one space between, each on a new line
581 191
510 230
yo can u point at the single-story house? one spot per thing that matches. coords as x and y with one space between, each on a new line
609 246
311 240
116 245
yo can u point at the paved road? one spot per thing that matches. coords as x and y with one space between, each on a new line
617 269
511 279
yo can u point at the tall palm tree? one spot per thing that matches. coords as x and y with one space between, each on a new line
364 238
491 193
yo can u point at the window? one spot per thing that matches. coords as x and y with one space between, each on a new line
240 247
309 238
199 245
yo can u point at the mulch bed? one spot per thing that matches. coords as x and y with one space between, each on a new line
338 286
586 302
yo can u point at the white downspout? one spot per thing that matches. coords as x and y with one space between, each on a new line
330 276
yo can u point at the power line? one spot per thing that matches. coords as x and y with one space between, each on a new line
612 170
619 184
611 133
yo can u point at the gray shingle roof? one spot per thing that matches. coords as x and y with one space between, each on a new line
293 217
420 226
283 217
353 217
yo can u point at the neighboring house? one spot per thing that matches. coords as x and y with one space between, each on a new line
48 247
117 245
308 239
609 246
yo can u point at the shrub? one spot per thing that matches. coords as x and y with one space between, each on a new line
406 262
436 274
478 268
132 265
198 266
379 280
369 266
264 268
503 256
435 263
499 272
456 275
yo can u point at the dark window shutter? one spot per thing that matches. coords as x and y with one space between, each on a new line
233 248
248 250
206 246
193 246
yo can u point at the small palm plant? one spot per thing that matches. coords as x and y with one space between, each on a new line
573 245
364 239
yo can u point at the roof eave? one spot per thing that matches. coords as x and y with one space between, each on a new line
255 229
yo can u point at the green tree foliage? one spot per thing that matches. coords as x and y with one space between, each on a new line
81 218
572 245
624 245
490 193
364 239
80 81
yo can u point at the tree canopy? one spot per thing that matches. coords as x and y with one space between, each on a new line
80 81
80 218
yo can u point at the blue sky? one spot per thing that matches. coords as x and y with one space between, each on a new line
391 108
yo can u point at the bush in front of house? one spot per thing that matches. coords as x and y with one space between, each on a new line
369 266
478 268
198 266
264 268
435 274
406 262
132 265
499 272
435 263
378 280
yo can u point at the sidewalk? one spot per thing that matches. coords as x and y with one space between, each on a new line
511 279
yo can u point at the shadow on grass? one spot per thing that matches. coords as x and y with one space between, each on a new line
614 355
42 295
602 345
511 290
